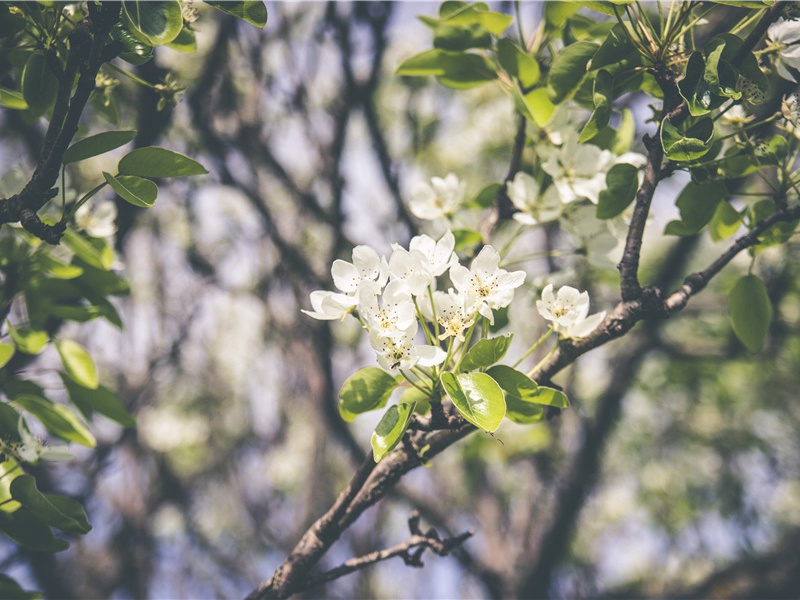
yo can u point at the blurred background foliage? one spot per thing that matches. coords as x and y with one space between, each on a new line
653 483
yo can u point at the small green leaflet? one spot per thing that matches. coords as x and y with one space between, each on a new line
29 531
568 70
159 162
27 340
254 13
56 511
57 419
6 352
39 84
622 181
101 400
365 390
485 353
134 190
97 144
390 429
77 363
751 311
155 22
687 145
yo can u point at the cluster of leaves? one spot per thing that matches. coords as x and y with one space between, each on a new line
42 287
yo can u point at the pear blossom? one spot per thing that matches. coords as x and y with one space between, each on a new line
534 207
401 353
395 318
367 270
592 235
330 306
568 309
439 199
453 313
31 449
424 260
784 37
485 283
98 220
579 170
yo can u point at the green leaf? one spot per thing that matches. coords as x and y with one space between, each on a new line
461 37
602 99
605 7
551 397
568 70
557 12
367 389
57 419
688 145
254 12
477 397
485 353
86 252
622 181
57 269
719 75
467 238
693 87
486 197
155 22
459 70
6 352
97 144
101 400
616 44
697 203
24 491
391 429
39 84
11 589
771 152
776 235
30 532
159 162
725 222
77 363
185 42
751 311
538 104
420 400
13 100
134 50
134 190
519 389
461 13
518 63
27 340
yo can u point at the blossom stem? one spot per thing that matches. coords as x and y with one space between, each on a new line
433 312
541 362
86 198
465 344
538 343
422 389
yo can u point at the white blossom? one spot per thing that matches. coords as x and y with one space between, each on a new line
579 170
394 317
424 260
367 269
330 306
568 310
485 283
785 38
439 199
401 353
31 449
534 207
99 220
454 313
593 235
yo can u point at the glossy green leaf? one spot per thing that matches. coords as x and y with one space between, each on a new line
29 531
6 352
134 190
367 389
13 100
155 22
687 145
78 363
719 75
97 144
254 12
56 514
622 182
697 203
485 353
57 419
101 400
159 162
518 63
751 311
459 70
390 429
134 50
602 99
519 389
694 89
725 222
461 37
463 13
27 340
477 397
556 13
550 397
568 70
39 84
748 66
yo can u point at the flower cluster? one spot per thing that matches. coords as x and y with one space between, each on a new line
568 309
393 297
